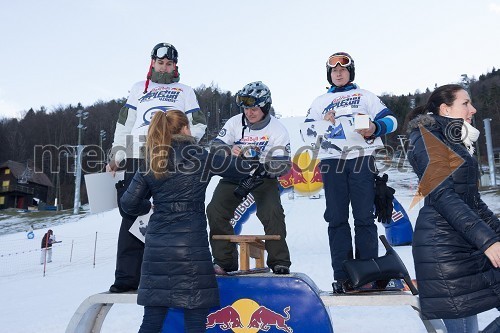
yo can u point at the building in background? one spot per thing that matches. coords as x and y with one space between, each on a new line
21 186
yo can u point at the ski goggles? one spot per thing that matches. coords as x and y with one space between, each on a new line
341 60
248 101
165 52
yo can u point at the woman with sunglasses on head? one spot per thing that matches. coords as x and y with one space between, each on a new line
177 270
259 138
348 169
456 244
160 92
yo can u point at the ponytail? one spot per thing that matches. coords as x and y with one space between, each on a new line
158 145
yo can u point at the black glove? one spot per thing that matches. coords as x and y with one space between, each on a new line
260 171
383 199
246 186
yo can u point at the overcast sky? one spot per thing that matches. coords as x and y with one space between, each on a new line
63 52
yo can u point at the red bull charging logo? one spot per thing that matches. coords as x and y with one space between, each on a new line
304 176
247 316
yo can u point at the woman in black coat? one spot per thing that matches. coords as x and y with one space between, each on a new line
456 245
177 269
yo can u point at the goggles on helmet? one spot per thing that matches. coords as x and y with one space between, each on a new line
165 52
248 101
341 60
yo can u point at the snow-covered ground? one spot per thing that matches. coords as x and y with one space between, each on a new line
34 302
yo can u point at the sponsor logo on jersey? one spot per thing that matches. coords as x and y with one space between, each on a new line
148 115
222 132
256 143
343 101
164 94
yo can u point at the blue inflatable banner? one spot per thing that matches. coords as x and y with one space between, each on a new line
399 231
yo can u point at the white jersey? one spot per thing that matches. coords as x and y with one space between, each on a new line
141 108
346 142
270 142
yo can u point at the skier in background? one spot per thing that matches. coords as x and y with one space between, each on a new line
47 240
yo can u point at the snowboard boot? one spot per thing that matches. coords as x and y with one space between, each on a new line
280 269
342 287
381 269
219 270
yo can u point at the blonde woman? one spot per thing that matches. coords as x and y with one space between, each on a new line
177 270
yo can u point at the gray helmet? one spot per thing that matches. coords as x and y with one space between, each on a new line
255 94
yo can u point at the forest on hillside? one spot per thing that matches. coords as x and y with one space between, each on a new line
45 140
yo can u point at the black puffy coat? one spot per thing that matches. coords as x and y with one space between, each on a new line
177 269
454 228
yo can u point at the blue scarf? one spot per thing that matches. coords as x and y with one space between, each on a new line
347 87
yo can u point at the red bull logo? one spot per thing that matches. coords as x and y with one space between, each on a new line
264 318
226 318
241 209
286 180
304 176
246 315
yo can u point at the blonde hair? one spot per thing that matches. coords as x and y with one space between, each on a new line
162 127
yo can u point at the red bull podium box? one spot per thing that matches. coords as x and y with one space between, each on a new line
263 303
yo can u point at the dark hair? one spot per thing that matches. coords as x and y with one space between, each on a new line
445 94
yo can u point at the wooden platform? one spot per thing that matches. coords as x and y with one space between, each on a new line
251 246
266 289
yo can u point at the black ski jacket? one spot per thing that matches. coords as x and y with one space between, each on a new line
454 228
177 269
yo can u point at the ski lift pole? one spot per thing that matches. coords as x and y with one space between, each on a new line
95 246
489 150
71 252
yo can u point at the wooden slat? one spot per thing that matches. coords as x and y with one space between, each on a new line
255 252
244 256
251 246
246 238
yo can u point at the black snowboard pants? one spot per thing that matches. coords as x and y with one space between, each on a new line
221 210
130 249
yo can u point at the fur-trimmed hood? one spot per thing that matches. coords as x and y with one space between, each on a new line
426 120
451 128
182 138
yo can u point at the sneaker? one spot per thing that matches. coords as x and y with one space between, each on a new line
280 269
116 289
219 270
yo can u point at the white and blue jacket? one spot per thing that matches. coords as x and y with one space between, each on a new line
347 102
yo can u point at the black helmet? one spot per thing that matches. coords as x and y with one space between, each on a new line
164 50
339 58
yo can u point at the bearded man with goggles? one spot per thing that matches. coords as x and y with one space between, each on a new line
349 172
160 92
260 139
